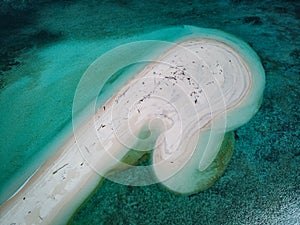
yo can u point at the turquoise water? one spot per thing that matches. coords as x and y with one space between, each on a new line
49 44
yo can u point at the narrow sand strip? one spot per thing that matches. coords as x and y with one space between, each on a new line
184 97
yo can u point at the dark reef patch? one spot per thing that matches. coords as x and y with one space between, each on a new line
255 20
44 37
17 20
15 14
19 32
295 54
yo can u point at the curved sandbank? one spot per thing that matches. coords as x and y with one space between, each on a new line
183 104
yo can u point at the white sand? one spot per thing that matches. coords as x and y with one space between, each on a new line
185 99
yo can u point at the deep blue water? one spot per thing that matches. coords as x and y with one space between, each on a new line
47 45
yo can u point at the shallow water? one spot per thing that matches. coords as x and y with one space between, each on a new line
49 44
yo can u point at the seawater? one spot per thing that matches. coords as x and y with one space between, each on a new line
62 38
